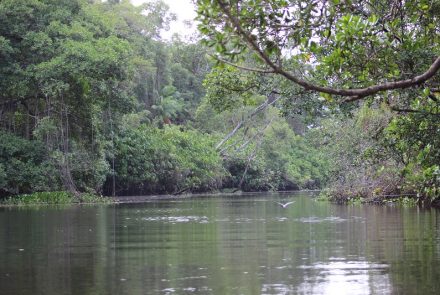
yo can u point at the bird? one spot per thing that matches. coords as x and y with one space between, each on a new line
285 204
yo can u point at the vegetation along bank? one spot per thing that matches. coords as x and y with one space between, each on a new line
292 95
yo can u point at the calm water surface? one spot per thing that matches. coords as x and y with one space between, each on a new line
220 245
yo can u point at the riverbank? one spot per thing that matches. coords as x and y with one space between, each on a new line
53 198
65 198
56 198
404 199
149 198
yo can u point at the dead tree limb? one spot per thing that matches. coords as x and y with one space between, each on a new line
269 101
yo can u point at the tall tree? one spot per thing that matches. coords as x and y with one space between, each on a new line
61 66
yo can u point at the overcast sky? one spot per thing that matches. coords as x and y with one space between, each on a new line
184 10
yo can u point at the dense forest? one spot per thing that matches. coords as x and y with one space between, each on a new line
273 95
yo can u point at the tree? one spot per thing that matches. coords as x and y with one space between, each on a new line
262 152
352 49
24 166
66 69
70 70
383 54
168 160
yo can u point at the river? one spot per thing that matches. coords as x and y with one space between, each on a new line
220 245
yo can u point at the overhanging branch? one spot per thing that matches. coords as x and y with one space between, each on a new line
352 94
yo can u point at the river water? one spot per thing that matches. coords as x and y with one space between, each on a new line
220 245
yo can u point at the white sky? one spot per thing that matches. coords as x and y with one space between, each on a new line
184 10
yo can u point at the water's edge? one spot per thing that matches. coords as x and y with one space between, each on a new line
150 198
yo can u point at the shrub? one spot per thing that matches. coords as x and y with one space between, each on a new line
24 166
59 197
168 160
40 198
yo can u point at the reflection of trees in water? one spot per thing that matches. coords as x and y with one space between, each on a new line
415 268
59 254
220 246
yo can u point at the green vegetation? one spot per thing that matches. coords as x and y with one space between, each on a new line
300 96
24 166
366 77
265 153
166 160
52 198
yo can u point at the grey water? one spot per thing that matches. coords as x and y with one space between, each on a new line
220 245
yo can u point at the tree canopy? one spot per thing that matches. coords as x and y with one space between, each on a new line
351 49
93 100
317 57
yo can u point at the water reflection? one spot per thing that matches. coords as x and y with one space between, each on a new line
345 277
314 219
220 246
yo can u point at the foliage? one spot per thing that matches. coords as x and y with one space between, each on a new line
361 163
56 197
345 51
345 46
39 198
167 160
70 70
91 95
292 158
415 137
265 154
228 88
24 166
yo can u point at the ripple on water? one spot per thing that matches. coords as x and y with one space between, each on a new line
314 219
281 219
192 278
340 264
177 219
276 289
203 289
248 220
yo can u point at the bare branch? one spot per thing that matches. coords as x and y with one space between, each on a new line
250 116
254 152
247 142
227 137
